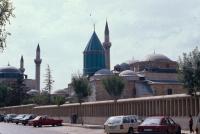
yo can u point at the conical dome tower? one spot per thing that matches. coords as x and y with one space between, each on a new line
94 56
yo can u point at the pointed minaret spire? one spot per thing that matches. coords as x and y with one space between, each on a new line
22 69
38 61
8 63
106 29
107 45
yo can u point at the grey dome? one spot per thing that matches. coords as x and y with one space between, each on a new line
128 73
9 69
33 92
103 72
10 72
157 57
60 91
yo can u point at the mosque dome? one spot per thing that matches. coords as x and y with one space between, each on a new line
125 66
33 92
128 73
10 72
94 44
103 72
60 91
94 56
157 57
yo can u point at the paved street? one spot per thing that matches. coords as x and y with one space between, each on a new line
10 128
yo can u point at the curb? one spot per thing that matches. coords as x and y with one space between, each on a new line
84 126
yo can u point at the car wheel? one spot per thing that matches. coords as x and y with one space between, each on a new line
34 125
178 131
53 125
130 131
17 122
39 125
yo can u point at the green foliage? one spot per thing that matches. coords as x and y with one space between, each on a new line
58 100
114 85
189 70
4 95
41 99
6 11
48 82
81 87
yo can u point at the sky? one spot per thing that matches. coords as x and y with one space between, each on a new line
64 27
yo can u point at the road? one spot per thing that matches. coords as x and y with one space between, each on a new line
10 128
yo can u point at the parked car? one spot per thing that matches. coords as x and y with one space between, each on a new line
2 117
9 117
159 125
121 124
26 118
44 120
17 118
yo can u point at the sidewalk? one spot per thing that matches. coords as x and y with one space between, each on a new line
84 126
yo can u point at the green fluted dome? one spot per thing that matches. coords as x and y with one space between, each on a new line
94 56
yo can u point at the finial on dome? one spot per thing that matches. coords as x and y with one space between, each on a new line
94 26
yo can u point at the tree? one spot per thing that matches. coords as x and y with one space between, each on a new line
114 85
49 82
58 100
6 11
81 88
189 71
4 95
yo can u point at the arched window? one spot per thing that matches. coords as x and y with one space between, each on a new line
169 91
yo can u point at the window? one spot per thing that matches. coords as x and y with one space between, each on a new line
171 121
169 91
126 120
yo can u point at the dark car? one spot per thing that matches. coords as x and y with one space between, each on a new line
2 117
44 120
159 125
17 118
28 117
9 117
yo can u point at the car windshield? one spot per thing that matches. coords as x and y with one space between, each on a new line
151 121
20 116
37 118
114 120
27 116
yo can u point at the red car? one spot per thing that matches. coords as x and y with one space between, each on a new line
44 120
159 125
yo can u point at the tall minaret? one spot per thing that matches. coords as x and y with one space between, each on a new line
107 45
22 69
37 68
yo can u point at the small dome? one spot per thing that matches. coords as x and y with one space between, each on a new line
103 72
125 66
60 91
157 57
128 73
33 92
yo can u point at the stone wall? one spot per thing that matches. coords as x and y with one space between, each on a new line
176 106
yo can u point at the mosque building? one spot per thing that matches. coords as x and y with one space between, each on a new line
154 75
11 76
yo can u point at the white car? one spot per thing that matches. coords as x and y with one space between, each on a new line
198 125
121 124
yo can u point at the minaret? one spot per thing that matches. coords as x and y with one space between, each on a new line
37 68
22 69
107 45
